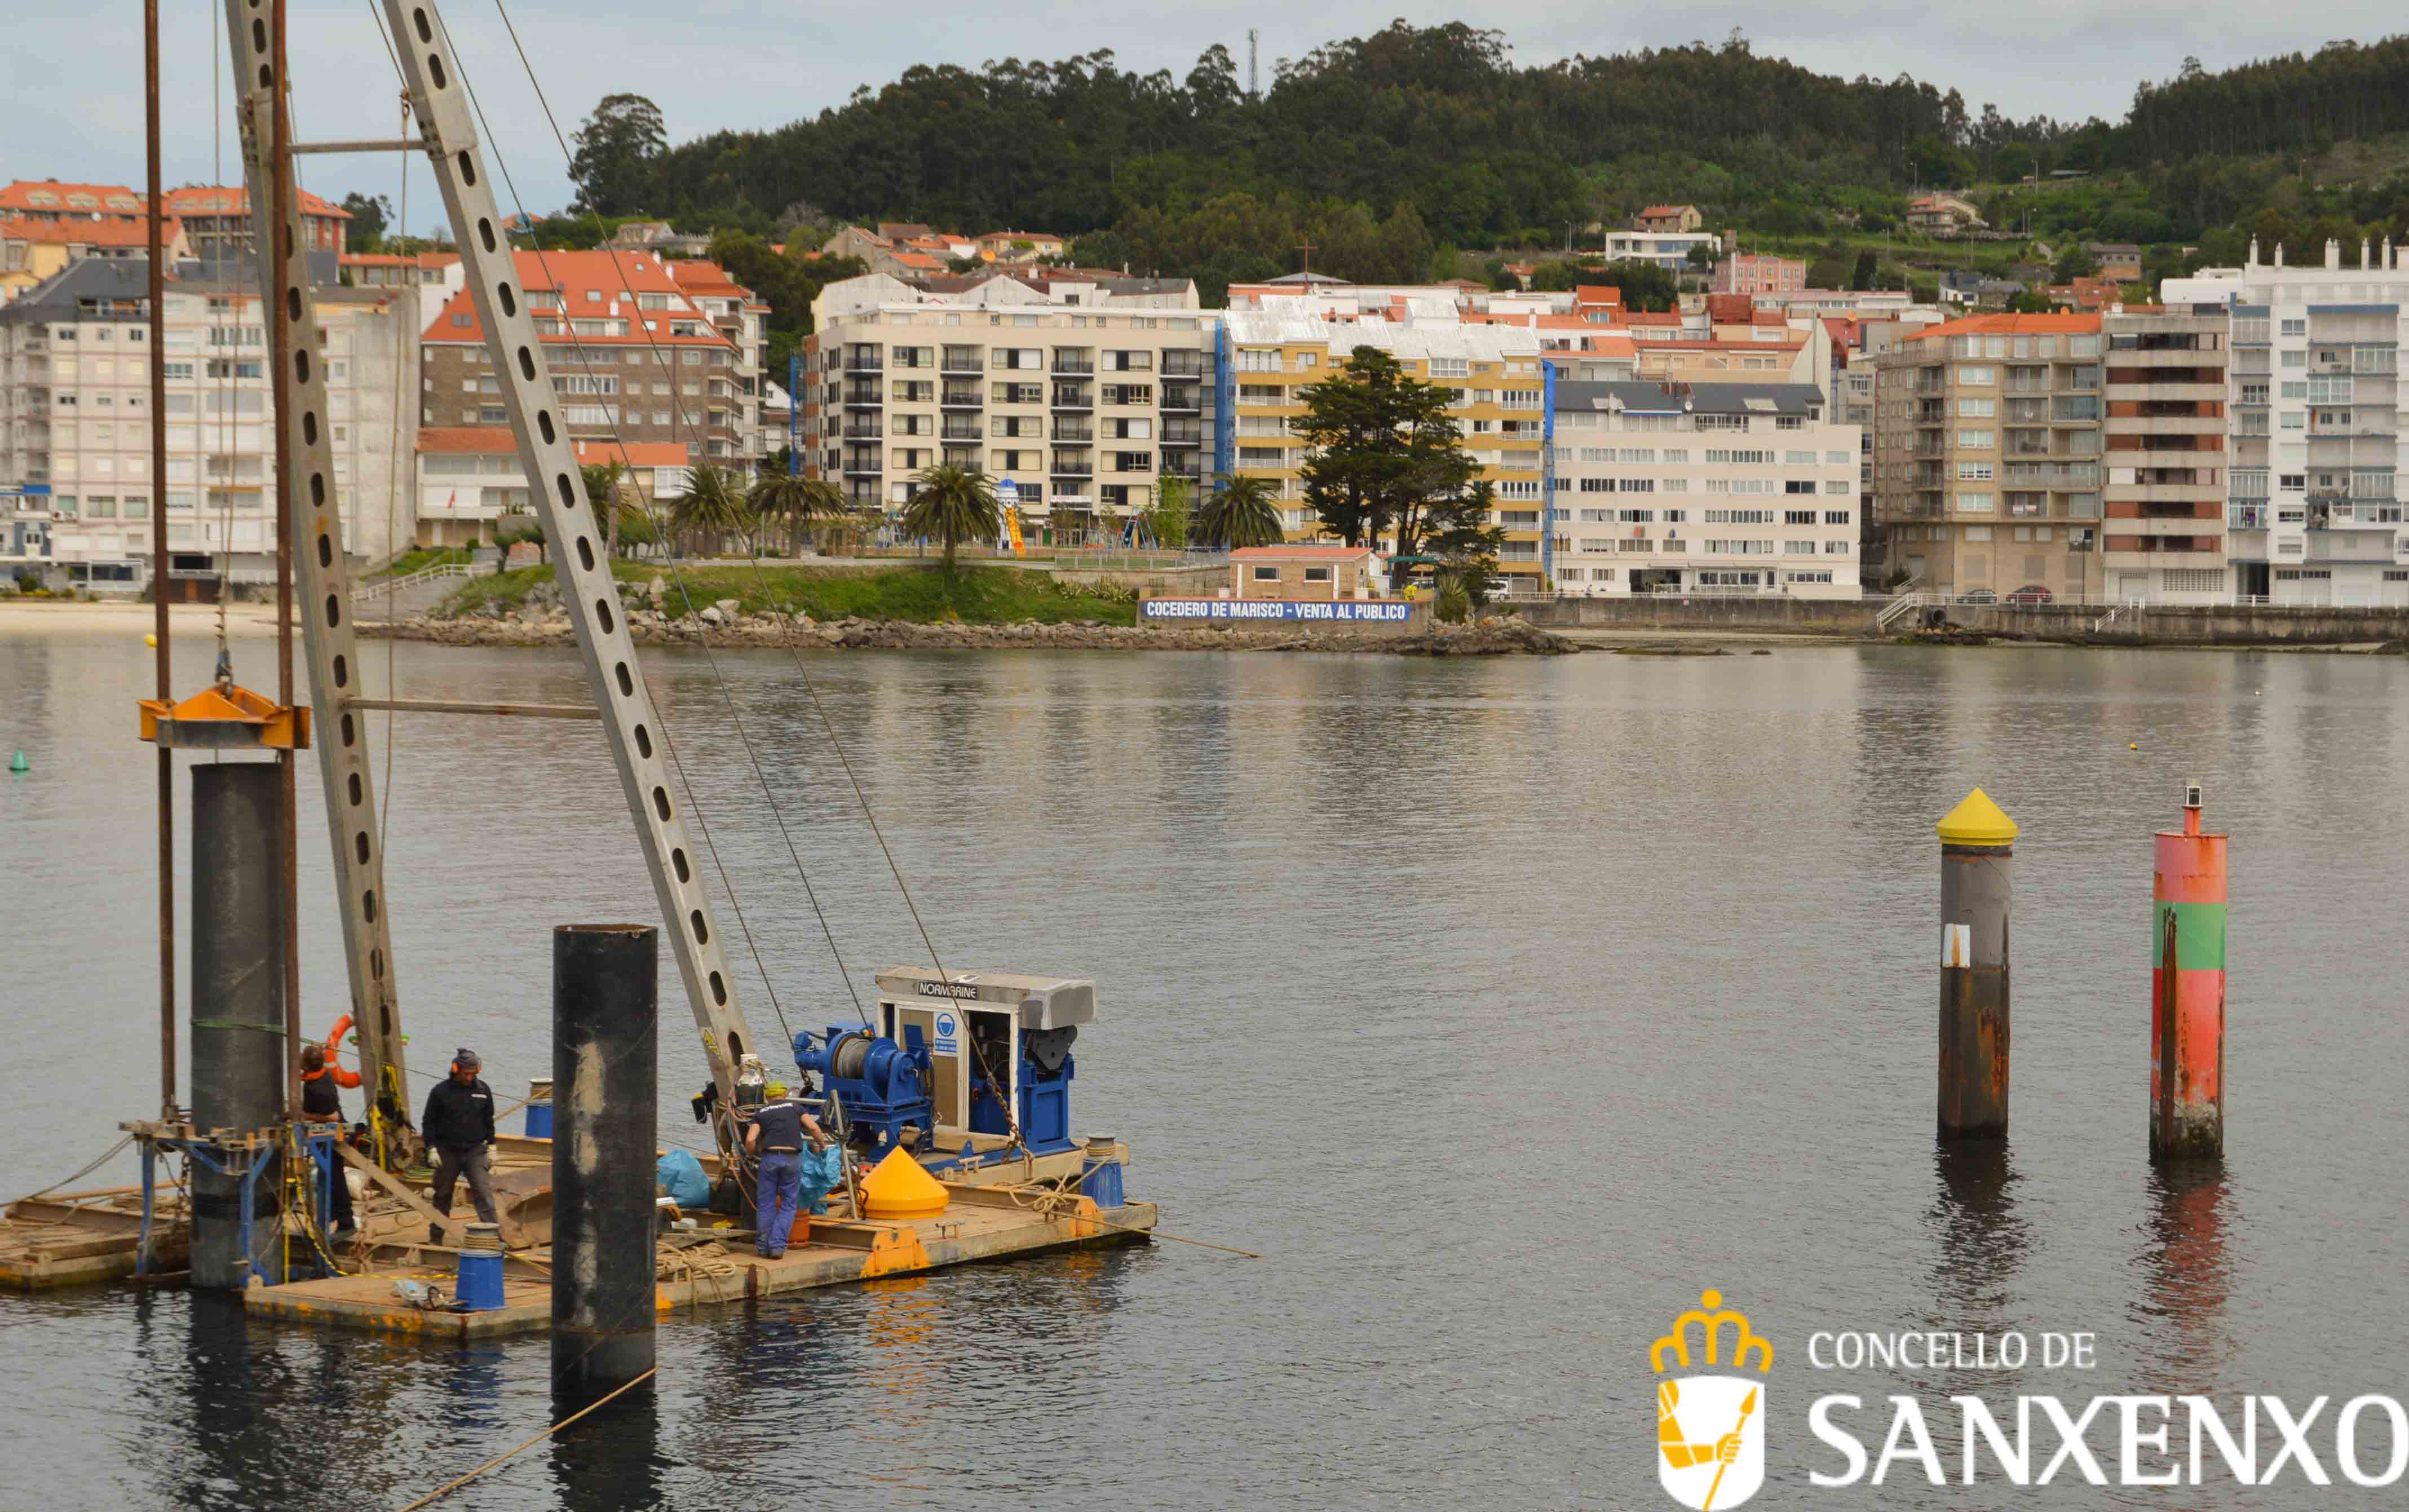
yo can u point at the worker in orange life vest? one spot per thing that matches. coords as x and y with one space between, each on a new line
322 1103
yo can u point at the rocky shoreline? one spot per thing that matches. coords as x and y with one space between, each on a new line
724 624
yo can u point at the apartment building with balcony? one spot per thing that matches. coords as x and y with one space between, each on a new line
75 424
1496 377
1703 488
743 318
636 357
217 217
2162 535
2314 502
1085 409
1987 469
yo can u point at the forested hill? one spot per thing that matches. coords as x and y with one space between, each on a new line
1480 152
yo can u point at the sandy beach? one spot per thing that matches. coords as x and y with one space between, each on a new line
20 616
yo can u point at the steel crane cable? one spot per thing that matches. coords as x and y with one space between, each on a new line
612 419
501 164
651 511
1012 1116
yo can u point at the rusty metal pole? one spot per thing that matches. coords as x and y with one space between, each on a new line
1977 857
166 757
2188 992
605 1072
282 252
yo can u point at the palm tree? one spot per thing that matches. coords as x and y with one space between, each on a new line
953 505
1242 513
606 493
710 505
797 503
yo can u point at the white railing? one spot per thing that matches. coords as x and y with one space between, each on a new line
377 588
1904 604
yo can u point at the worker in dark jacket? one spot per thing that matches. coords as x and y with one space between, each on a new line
776 1133
458 1126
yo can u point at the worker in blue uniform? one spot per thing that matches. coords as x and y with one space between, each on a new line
778 1128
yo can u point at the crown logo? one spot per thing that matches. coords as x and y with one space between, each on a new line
1710 1316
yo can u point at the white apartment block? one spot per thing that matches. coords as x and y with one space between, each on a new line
1083 402
2317 443
1704 488
1668 250
75 427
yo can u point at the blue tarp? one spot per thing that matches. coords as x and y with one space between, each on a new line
682 1181
822 1173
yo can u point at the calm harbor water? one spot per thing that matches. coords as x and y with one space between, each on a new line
1502 1006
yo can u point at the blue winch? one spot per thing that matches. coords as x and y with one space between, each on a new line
967 1059
881 1086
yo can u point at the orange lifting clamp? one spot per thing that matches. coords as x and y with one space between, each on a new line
225 717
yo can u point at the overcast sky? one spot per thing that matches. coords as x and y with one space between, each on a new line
74 71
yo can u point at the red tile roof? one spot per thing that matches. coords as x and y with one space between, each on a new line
424 259
698 275
633 454
2008 325
480 441
1658 212
89 233
589 282
50 197
222 199
458 440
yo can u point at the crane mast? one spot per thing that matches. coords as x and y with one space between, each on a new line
587 590
322 578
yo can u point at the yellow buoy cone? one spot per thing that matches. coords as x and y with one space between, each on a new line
1976 821
900 1187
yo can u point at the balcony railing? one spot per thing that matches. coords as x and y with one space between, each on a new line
870 430
1073 398
861 395
956 430
1178 434
1073 433
1182 401
1065 468
1182 364
1075 367
864 362
964 360
961 398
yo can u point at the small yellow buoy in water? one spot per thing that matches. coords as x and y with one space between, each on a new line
2135 746
150 640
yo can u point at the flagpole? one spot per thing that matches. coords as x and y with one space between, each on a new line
1745 1408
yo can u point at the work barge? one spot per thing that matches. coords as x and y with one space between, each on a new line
955 1088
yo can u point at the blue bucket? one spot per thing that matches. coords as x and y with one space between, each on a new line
538 1109
479 1287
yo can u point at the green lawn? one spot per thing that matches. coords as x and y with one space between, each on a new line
972 595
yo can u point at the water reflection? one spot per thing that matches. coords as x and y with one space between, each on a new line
2185 1276
236 1455
1980 1244
609 1461
1979 1238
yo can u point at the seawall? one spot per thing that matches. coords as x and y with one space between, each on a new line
2237 625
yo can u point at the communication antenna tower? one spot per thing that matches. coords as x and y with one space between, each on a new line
1252 91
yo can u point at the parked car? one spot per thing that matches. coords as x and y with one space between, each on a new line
1979 595
2031 593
